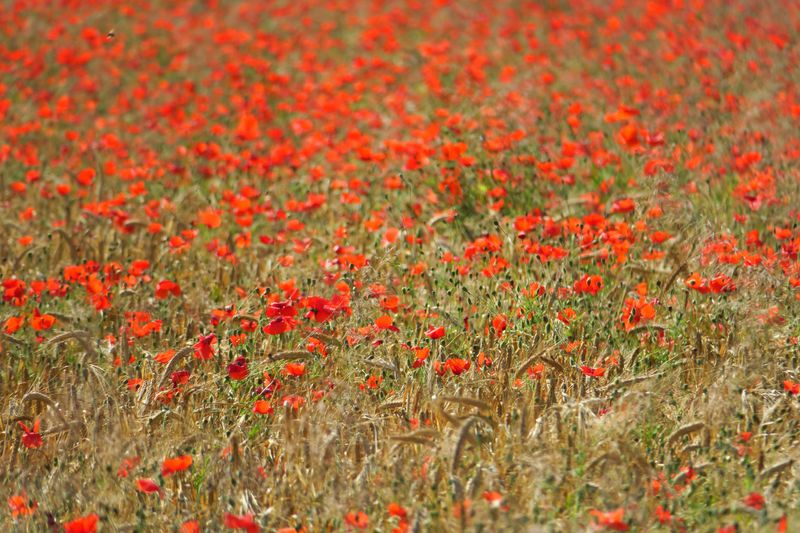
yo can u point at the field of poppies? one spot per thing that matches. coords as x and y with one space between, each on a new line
400 265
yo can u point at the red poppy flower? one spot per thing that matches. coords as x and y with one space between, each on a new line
85 177
20 505
754 500
281 309
319 309
395 509
454 365
190 526
40 322
435 332
279 325
593 372
31 438
203 348
173 465
499 324
611 520
165 288
294 369
84 524
238 369
294 401
262 407
241 522
385 322
179 377
148 486
357 520
13 324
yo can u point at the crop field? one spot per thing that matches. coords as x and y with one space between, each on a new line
399 265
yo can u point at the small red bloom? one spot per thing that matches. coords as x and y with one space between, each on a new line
238 369
148 486
21 506
279 325
40 322
13 324
294 369
203 348
612 520
242 522
262 407
84 524
173 465
31 438
499 324
357 520
165 288
754 500
435 332
385 322
190 526
593 372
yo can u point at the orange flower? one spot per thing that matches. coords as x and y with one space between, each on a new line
148 486
85 177
593 372
262 407
13 323
242 522
40 322
210 218
435 332
21 506
612 520
294 369
190 526
173 465
385 322
357 520
84 524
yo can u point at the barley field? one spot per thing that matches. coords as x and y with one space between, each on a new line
400 265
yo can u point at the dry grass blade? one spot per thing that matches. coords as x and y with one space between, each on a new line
292 355
40 396
412 440
165 374
461 441
472 402
81 336
685 430
12 340
672 278
603 458
327 339
776 468
73 249
646 327
631 381
538 357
